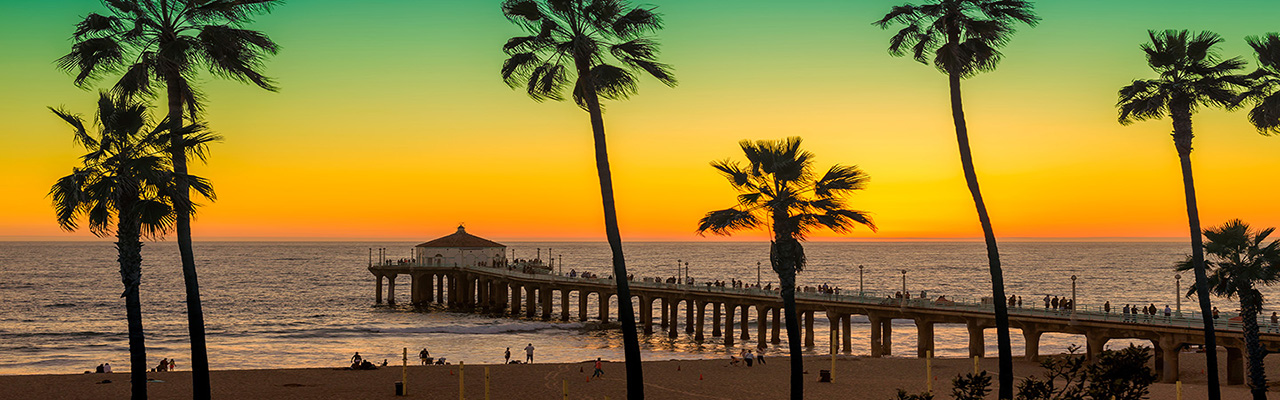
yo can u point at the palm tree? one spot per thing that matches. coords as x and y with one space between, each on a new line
1264 88
124 179
165 43
1191 75
962 38
1239 261
571 41
780 193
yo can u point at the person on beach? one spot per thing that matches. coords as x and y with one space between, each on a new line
172 365
750 358
164 365
98 369
733 361
423 356
507 356
106 368
760 354
528 354
599 369
355 360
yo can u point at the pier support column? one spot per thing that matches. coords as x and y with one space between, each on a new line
924 337
700 308
876 323
746 333
516 300
1235 366
688 316
439 289
646 315
808 329
415 293
715 319
1169 350
762 326
886 337
582 305
504 296
674 312
564 304
662 312
847 332
391 289
1031 335
777 325
977 343
530 301
604 306
728 323
377 295
1094 343
544 294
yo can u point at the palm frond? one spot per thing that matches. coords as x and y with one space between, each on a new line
724 222
237 54
91 58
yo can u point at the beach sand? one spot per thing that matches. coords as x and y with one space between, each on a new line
854 378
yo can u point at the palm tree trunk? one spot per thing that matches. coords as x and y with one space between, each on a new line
784 264
200 384
993 254
626 312
1181 113
1250 305
129 250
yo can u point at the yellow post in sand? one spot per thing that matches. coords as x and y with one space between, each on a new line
486 383
1178 386
404 374
928 370
834 346
564 387
462 389
975 365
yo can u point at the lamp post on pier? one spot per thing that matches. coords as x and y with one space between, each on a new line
1073 297
678 270
1177 292
757 273
905 293
686 272
860 287
560 263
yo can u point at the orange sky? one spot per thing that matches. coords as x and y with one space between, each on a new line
400 129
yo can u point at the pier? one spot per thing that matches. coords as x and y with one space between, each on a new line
503 291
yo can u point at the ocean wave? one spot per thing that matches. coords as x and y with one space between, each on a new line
491 329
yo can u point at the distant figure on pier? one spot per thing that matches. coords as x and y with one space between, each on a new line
1054 303
1168 312
1275 326
507 356
1046 302
1215 313
1019 301
1106 307
528 354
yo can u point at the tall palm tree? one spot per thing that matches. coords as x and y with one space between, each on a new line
962 38
124 179
156 43
780 193
1192 75
1264 88
1238 262
571 41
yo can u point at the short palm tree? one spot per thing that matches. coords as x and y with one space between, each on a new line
781 194
571 42
164 43
1192 75
122 180
962 38
1239 261
1264 88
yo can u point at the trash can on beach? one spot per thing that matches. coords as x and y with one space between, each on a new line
824 375
399 388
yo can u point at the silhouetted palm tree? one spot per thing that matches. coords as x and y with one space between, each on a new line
1239 261
962 38
165 43
1264 87
570 42
1191 75
124 179
781 194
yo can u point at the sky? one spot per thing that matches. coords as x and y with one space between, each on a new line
393 122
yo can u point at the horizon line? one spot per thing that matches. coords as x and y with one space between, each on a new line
16 238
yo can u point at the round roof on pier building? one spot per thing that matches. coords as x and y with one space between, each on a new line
461 239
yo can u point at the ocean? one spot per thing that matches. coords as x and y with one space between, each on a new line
311 304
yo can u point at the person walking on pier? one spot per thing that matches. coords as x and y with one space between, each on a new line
1046 302
1126 313
528 354
1275 324
1106 307
1168 312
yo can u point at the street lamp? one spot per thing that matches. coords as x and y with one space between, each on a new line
686 272
860 281
904 285
757 273
1073 297
678 269
1177 292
